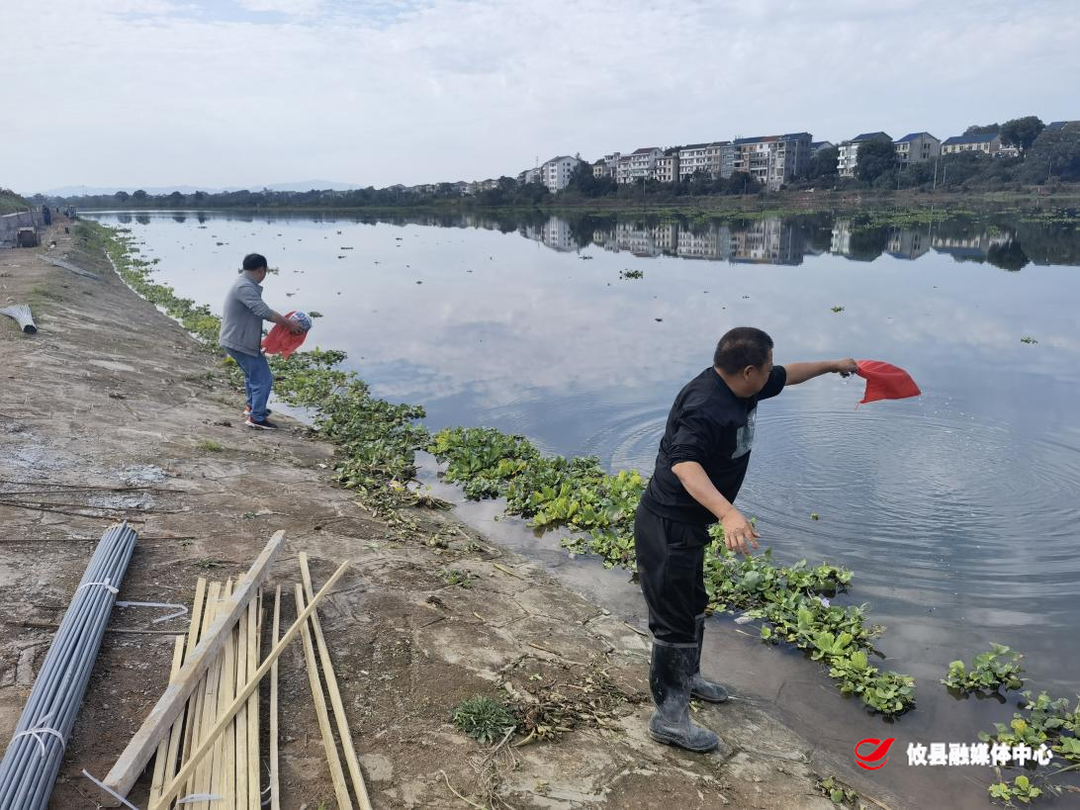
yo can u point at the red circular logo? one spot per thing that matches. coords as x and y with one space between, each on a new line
875 759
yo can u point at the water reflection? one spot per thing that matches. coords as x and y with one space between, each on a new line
1008 244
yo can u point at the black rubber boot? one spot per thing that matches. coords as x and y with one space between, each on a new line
699 687
669 680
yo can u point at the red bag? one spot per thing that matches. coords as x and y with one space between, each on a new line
281 340
885 381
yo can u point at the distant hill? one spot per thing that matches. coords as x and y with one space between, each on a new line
10 202
303 185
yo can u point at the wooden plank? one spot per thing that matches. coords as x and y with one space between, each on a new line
140 748
351 761
240 726
204 717
173 789
254 775
175 739
158 780
332 759
275 779
224 781
194 706
204 775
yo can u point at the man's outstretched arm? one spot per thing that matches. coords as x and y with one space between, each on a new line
801 372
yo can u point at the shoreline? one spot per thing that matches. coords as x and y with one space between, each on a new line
111 383
774 203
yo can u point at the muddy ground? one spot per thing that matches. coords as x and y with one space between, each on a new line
112 393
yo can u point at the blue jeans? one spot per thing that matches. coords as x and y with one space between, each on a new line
257 381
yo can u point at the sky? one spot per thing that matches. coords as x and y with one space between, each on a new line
245 93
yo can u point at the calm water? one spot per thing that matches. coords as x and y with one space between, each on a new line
958 510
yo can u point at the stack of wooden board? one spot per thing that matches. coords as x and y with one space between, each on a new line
204 729
231 773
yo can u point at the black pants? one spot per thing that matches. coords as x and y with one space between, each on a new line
670 562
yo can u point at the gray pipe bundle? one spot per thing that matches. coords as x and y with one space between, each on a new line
33 756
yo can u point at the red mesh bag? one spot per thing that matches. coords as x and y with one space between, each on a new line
885 381
281 341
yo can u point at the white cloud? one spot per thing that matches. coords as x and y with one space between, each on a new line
151 93
290 7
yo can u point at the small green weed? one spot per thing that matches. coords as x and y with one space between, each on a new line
631 274
453 576
483 719
210 446
207 563
837 792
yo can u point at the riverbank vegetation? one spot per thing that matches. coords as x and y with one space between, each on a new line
11 203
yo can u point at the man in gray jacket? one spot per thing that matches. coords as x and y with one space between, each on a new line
241 336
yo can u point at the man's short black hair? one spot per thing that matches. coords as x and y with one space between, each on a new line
254 261
741 347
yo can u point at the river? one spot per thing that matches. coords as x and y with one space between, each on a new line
958 510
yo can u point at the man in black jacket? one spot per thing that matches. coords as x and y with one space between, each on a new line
700 466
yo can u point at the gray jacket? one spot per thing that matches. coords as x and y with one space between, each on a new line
242 317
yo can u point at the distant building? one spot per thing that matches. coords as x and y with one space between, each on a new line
988 144
666 168
700 157
529 176
555 173
1057 126
638 164
817 146
772 160
847 160
916 147
607 166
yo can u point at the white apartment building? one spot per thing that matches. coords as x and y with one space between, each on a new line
666 169
555 173
637 165
606 166
772 160
700 157
849 152
989 144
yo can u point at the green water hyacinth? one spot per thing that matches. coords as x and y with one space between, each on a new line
555 492
550 491
989 671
